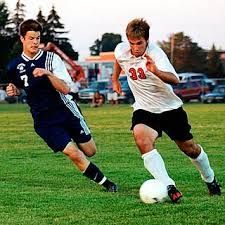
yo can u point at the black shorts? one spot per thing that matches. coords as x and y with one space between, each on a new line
59 128
174 123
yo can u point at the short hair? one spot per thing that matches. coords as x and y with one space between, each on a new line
138 28
29 25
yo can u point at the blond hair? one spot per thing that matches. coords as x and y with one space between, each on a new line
138 28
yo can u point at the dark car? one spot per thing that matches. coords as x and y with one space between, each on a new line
217 95
86 94
188 90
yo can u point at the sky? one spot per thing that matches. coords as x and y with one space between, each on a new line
88 20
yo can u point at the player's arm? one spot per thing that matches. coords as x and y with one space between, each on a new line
56 82
167 77
115 78
11 88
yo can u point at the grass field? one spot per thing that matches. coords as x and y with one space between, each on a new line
39 187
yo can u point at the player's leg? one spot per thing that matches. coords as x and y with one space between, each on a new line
110 98
80 133
145 131
115 98
88 169
200 159
145 137
58 139
177 127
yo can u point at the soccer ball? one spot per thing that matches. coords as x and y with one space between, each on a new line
153 191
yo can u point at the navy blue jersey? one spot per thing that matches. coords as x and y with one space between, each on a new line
57 118
41 95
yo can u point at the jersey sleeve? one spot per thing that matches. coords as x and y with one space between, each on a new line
120 49
59 69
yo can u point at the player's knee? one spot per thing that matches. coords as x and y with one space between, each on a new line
72 152
88 148
144 139
91 152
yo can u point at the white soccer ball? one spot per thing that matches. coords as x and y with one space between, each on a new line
153 191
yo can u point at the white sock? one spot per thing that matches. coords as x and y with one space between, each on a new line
154 163
203 166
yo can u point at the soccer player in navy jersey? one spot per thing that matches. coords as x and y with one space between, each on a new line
157 108
57 119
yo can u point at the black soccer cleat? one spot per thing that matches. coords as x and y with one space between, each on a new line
173 193
111 187
214 187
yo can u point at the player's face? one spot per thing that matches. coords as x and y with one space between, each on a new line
138 46
31 42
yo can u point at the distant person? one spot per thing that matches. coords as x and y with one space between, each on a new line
112 96
57 119
156 107
97 99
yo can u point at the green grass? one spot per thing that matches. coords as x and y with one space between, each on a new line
39 187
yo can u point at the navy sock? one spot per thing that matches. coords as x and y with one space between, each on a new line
94 173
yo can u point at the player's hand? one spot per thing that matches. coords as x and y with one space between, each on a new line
39 72
11 90
150 65
117 87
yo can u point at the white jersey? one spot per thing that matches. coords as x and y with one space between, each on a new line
150 92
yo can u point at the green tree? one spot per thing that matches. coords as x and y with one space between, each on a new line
6 39
19 15
110 41
107 43
17 18
214 66
185 55
5 30
53 32
42 20
54 27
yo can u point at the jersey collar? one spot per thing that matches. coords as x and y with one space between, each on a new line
140 57
36 57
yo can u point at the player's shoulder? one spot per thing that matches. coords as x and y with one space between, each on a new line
154 50
54 56
153 47
121 49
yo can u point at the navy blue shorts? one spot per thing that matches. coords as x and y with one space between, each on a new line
60 127
174 123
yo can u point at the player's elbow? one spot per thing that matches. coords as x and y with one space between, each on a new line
176 81
66 91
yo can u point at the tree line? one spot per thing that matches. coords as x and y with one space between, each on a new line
184 54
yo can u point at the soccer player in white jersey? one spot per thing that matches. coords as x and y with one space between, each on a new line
157 108
57 119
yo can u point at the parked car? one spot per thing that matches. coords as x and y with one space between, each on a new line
188 90
217 95
86 94
197 76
